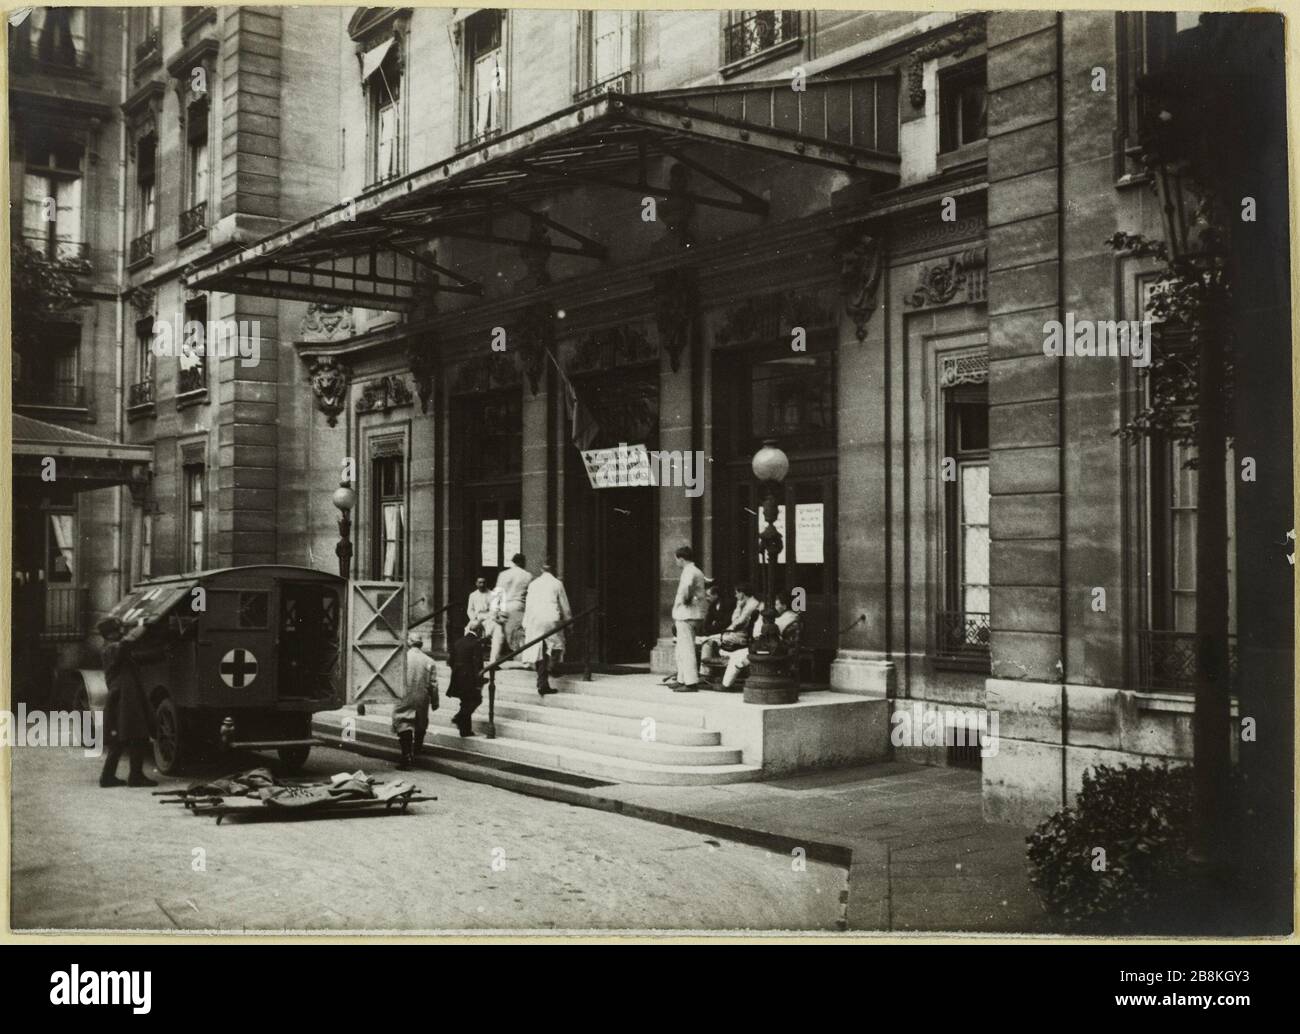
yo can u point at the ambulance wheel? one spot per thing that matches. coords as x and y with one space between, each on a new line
293 758
168 747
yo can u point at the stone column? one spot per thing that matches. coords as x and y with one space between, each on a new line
862 663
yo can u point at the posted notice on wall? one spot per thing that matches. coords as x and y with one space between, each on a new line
779 525
618 467
489 544
510 540
809 533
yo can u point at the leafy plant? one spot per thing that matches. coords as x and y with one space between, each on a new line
1180 304
44 289
1141 819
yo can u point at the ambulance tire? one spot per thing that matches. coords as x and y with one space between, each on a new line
170 746
293 758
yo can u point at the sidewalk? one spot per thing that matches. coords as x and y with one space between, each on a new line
919 855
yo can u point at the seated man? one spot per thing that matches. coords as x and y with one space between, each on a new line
787 626
735 635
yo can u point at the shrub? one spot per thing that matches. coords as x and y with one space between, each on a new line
1141 817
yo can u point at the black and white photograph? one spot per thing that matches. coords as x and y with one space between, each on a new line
537 472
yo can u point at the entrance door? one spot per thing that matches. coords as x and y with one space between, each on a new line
627 550
309 641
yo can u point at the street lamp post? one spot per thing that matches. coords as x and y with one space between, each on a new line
344 499
769 680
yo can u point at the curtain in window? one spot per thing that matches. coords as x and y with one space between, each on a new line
198 171
196 539
489 86
67 218
611 44
975 538
35 190
386 143
61 528
394 519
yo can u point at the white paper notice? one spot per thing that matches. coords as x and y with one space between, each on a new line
779 524
510 540
809 533
489 537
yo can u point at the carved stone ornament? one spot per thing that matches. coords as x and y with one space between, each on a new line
970 34
772 316
423 361
971 368
327 322
329 383
383 394
942 283
534 334
142 300
677 302
861 261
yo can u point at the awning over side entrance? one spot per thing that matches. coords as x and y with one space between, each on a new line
367 251
80 459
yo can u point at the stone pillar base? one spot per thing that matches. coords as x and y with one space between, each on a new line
663 658
863 672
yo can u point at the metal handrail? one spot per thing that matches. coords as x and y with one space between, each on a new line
431 615
491 669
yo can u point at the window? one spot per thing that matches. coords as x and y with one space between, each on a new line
484 86
146 154
388 517
606 47
192 371
963 625
382 80
141 392
146 31
963 106
194 214
1145 39
492 436
60 35
793 397
195 523
61 548
146 545
52 195
752 33
48 373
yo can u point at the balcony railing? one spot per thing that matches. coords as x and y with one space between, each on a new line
760 31
139 395
962 635
65 611
141 248
147 48
620 83
1170 661
191 378
44 393
194 219
53 60
53 248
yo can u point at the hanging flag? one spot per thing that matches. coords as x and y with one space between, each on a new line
583 422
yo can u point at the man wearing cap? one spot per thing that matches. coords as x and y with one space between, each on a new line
128 718
466 680
411 715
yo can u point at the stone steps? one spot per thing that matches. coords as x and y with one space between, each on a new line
635 761
606 724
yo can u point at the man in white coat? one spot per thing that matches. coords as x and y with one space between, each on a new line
512 590
689 607
547 606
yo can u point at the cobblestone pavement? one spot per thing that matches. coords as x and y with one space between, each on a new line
84 858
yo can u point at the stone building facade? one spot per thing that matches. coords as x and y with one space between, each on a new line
844 230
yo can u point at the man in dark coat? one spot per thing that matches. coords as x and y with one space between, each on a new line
128 718
466 682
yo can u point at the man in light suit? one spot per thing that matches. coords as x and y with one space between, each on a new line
512 588
546 607
689 607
